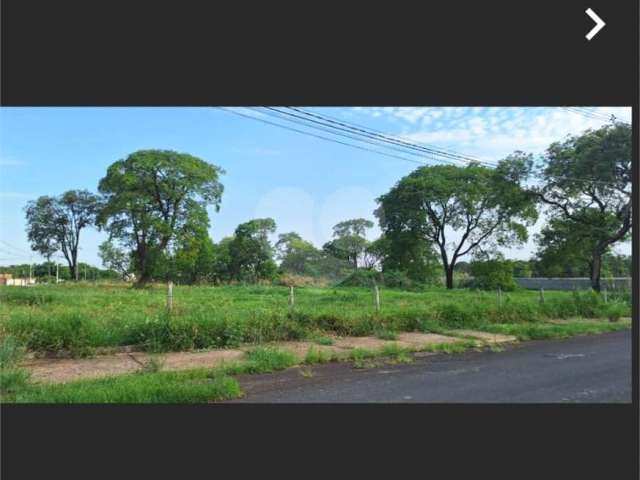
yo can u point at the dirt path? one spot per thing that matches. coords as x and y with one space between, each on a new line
47 370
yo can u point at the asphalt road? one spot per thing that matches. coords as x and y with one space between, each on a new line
589 369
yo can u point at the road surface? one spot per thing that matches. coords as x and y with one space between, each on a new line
590 369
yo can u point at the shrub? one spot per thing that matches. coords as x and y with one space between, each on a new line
293 280
615 311
493 274
399 279
362 278
453 315
266 359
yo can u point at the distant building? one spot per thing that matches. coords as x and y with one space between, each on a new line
7 279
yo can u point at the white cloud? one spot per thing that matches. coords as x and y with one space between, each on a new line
500 131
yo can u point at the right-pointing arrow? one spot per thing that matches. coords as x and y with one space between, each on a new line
598 26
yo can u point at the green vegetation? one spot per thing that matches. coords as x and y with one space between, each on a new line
554 330
386 335
12 377
195 386
493 274
316 355
261 360
323 340
76 319
587 218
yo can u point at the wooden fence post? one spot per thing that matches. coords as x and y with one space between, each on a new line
291 297
542 295
376 296
170 296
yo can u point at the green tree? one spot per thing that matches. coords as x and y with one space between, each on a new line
222 263
115 259
400 251
151 196
493 274
349 241
521 268
485 207
587 182
297 255
55 223
251 252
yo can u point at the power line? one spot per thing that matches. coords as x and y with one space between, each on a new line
584 180
592 114
321 137
14 247
349 135
371 129
367 133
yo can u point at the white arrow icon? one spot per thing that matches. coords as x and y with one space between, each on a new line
597 27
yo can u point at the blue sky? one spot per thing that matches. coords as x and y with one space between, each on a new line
305 184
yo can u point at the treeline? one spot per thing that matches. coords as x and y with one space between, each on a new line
153 205
46 272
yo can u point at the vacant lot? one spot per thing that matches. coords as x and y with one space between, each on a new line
80 319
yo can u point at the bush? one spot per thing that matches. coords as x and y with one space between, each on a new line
388 278
399 279
493 274
293 280
615 311
362 278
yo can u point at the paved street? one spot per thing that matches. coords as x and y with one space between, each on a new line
581 369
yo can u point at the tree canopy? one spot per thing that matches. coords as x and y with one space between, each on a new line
251 252
54 224
587 187
479 207
349 241
151 196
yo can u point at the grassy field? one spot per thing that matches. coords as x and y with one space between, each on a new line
78 319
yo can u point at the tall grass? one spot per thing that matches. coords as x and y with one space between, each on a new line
77 319
12 378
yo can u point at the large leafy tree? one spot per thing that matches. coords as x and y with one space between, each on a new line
153 195
587 185
349 242
115 259
54 224
297 255
460 210
251 253
565 250
404 252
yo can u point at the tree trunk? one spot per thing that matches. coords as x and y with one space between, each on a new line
449 272
596 265
141 271
72 269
